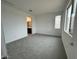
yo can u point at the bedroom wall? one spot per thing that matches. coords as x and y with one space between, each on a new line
45 24
71 50
3 46
14 22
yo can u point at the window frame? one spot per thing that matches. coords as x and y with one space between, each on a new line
73 14
66 26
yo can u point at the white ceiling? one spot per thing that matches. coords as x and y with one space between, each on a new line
39 6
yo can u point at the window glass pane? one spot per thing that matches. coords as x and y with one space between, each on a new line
57 22
68 18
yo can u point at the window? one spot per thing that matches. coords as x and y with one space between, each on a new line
69 19
57 22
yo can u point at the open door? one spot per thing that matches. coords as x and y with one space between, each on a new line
29 25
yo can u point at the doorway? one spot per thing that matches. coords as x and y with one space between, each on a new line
29 25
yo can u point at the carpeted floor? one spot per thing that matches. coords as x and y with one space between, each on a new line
37 47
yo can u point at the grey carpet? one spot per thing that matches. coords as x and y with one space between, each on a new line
37 47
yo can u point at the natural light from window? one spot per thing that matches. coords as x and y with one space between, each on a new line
57 22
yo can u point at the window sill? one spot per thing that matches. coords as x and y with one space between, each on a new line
68 33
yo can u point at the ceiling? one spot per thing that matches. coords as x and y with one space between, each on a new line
39 6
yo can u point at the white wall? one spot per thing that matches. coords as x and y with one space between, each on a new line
3 46
33 24
71 51
14 23
45 24
67 40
